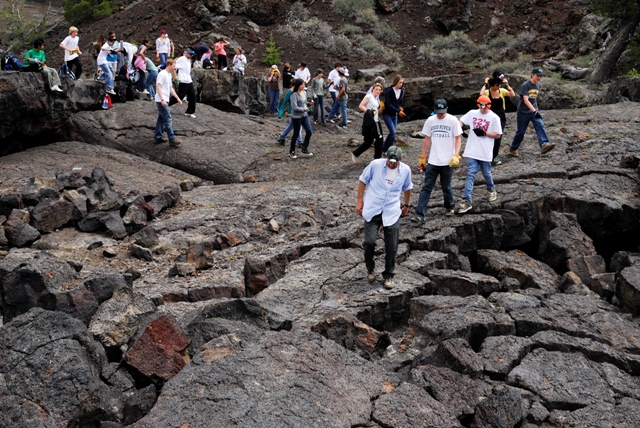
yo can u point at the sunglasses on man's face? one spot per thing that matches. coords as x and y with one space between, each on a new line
482 105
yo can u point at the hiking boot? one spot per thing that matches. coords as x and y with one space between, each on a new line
354 158
292 155
450 212
371 276
547 148
464 206
493 195
389 284
175 143
513 153
281 141
161 140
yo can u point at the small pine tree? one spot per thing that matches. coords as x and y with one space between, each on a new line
272 52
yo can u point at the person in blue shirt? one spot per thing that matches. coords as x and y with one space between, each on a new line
384 181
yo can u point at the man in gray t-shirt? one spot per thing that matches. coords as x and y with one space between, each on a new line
342 96
528 112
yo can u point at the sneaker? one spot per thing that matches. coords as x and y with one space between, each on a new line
331 121
354 158
281 141
547 148
342 126
371 276
175 143
496 162
417 219
145 92
450 212
493 195
389 284
292 155
56 88
307 153
464 207
513 153
111 92
191 115
349 121
315 122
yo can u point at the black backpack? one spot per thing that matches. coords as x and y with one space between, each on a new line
31 66
11 62
64 71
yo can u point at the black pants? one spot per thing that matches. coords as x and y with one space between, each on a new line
222 62
371 139
189 90
391 237
76 61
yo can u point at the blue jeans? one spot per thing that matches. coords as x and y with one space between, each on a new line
391 236
523 120
430 174
108 75
164 123
297 124
343 111
151 82
274 101
392 124
334 107
163 59
289 128
472 169
318 105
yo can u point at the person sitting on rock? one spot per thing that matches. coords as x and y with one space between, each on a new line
484 128
239 61
37 55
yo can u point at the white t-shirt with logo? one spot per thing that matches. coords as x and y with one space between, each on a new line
70 43
183 67
481 148
443 133
391 176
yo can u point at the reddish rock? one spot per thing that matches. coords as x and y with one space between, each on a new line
160 351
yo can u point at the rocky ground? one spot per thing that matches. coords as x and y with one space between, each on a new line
244 301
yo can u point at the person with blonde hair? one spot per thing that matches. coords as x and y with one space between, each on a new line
72 52
371 129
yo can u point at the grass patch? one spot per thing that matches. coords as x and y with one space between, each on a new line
386 33
350 8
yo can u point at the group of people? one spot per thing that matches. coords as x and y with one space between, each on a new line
384 187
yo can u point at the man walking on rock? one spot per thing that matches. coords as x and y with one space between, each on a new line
185 83
164 92
528 112
384 180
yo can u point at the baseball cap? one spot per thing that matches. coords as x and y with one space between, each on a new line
274 66
394 154
440 106
343 71
484 99
498 74
190 52
163 31
537 70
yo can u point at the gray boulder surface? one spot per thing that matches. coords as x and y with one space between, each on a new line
510 315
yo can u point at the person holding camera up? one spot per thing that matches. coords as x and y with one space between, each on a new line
274 89
528 112
493 89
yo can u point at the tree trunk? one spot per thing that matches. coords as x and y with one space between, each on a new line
607 59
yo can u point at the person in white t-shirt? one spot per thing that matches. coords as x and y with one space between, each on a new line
333 78
164 94
185 83
371 129
442 140
72 52
484 128
303 73
102 62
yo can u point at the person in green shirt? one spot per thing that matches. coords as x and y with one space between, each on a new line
37 55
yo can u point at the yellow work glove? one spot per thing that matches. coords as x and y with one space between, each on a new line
422 163
381 105
455 161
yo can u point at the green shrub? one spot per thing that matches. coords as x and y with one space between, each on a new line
369 46
271 53
298 11
102 10
16 31
367 18
340 47
349 8
350 30
455 48
80 11
386 33
633 73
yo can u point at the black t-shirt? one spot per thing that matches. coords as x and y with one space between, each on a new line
287 77
201 50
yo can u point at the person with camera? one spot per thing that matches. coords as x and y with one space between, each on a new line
484 129
274 88
380 188
493 89
300 108
528 112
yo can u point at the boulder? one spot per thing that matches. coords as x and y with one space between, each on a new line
516 264
628 288
455 283
51 368
316 370
19 233
504 408
146 237
51 214
354 335
561 238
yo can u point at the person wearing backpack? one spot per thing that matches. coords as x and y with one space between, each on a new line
72 52
107 48
36 55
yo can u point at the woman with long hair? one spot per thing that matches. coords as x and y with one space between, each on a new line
493 89
300 118
393 99
371 129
